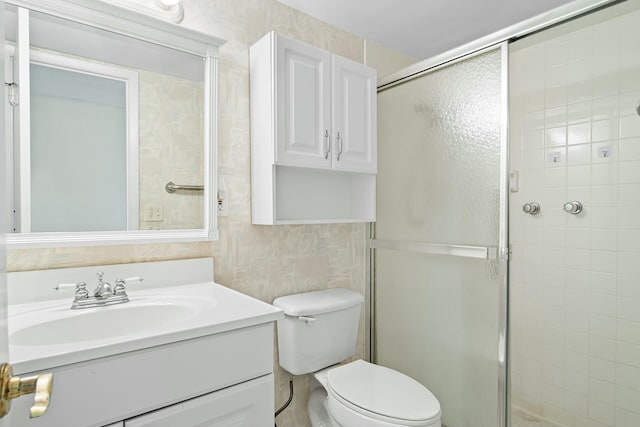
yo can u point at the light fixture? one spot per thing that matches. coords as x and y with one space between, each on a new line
174 8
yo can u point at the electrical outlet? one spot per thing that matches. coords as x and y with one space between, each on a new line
223 209
153 214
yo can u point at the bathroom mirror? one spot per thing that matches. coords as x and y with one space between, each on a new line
108 109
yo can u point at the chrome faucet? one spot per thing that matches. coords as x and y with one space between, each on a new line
104 288
103 294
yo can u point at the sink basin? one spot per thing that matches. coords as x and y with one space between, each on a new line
101 323
49 333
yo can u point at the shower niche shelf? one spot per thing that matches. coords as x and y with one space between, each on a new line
313 135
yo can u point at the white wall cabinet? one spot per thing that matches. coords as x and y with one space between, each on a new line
313 135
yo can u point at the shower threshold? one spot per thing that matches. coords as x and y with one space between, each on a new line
520 418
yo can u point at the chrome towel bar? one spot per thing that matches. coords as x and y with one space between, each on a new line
170 187
481 252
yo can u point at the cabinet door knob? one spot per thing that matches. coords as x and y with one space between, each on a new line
339 144
327 144
12 387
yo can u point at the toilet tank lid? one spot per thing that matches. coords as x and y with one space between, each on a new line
318 302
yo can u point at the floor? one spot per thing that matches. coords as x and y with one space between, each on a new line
520 418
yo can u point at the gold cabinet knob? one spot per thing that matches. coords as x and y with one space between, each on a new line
12 387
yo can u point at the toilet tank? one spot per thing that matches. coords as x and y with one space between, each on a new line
319 329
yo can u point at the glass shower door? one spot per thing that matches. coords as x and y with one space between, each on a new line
440 273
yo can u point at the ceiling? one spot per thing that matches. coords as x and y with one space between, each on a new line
422 28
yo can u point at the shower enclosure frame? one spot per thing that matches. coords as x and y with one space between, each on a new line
498 40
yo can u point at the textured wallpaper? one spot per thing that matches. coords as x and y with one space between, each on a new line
171 134
262 261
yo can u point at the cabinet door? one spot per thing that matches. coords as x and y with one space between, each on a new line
248 404
303 85
354 116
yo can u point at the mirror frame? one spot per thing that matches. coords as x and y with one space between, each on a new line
147 27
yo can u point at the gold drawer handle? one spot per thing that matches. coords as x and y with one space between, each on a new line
12 387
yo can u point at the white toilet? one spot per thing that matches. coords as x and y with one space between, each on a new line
319 330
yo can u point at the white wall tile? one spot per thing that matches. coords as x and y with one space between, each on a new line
533 139
555 117
603 326
604 130
579 134
603 218
629 264
606 108
602 412
604 195
629 126
628 399
604 261
628 331
580 112
578 175
579 90
603 391
628 285
582 304
578 238
629 101
604 174
629 240
628 309
603 283
603 348
576 403
579 155
605 85
629 172
626 418
605 239
628 353
603 305
602 369
629 218
627 376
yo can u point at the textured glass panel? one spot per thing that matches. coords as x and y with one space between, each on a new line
437 317
437 321
439 153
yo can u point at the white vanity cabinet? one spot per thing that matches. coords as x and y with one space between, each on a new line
225 379
313 135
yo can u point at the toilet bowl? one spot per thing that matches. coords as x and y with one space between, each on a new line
361 394
320 330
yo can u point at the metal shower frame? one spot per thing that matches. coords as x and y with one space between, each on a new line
498 40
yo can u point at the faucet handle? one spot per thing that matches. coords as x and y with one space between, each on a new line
120 289
65 286
80 287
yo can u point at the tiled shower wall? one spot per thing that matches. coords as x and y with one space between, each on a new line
575 279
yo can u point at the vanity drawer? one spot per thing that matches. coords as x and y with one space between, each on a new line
248 404
110 389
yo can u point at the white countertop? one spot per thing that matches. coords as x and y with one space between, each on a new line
216 309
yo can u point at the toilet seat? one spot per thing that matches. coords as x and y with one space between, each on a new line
379 393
